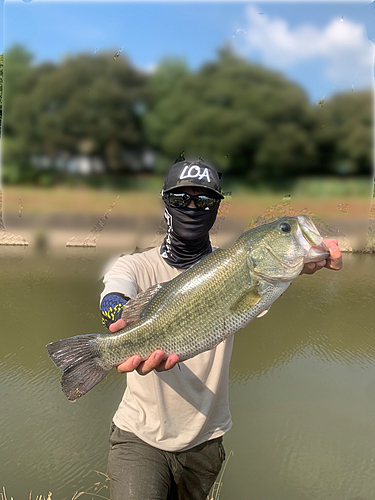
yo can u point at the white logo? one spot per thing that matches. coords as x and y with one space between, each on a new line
194 171
168 239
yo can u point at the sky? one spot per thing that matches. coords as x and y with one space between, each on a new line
322 46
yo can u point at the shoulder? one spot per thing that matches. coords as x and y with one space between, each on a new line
148 256
130 274
149 263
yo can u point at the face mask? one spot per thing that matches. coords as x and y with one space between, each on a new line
190 224
187 239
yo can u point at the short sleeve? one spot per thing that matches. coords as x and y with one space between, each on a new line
121 278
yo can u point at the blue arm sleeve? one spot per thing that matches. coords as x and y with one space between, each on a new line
111 307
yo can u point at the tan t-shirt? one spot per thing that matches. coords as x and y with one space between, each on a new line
179 408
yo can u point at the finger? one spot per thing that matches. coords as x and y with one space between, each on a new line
151 363
335 257
309 268
129 365
320 264
167 364
330 241
117 325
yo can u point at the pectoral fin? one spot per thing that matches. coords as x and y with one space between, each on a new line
247 300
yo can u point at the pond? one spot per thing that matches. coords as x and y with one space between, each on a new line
302 385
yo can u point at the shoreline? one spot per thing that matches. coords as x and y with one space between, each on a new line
63 240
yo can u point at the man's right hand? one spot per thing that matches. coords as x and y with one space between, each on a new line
156 361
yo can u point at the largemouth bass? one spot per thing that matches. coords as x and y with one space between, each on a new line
198 309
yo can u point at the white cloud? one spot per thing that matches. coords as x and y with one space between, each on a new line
342 45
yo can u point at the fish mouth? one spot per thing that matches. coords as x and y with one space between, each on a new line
310 240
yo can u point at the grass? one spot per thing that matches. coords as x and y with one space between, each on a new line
218 484
95 491
83 200
100 487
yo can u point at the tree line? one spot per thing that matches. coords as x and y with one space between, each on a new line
250 122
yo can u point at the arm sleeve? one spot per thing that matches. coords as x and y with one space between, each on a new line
111 307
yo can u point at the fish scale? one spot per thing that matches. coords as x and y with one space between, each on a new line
198 309
202 307
204 304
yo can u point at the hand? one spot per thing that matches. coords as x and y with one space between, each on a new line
155 362
333 262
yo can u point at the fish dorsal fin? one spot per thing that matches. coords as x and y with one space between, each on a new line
247 300
132 310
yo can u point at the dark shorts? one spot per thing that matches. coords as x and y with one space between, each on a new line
138 471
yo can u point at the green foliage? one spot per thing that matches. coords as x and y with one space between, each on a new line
85 105
250 122
1 85
247 120
17 74
344 134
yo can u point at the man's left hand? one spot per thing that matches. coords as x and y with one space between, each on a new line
333 262
156 361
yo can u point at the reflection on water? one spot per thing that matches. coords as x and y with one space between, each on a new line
303 392
302 386
328 316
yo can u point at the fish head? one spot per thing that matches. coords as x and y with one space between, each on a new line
279 250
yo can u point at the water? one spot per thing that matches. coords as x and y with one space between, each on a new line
302 386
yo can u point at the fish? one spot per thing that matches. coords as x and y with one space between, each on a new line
199 308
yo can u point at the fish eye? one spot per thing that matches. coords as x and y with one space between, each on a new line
285 227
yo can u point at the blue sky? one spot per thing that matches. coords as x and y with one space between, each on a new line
322 46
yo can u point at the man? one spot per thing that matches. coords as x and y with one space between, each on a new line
166 436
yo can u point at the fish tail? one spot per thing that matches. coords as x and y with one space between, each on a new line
79 360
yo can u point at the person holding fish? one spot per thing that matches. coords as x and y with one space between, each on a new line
183 301
166 437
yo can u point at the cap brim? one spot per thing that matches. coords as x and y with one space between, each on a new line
194 185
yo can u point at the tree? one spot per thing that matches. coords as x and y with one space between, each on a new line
247 120
1 85
344 134
170 74
17 69
86 104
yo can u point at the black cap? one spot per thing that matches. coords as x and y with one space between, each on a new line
196 173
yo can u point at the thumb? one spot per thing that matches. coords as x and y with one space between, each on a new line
117 325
